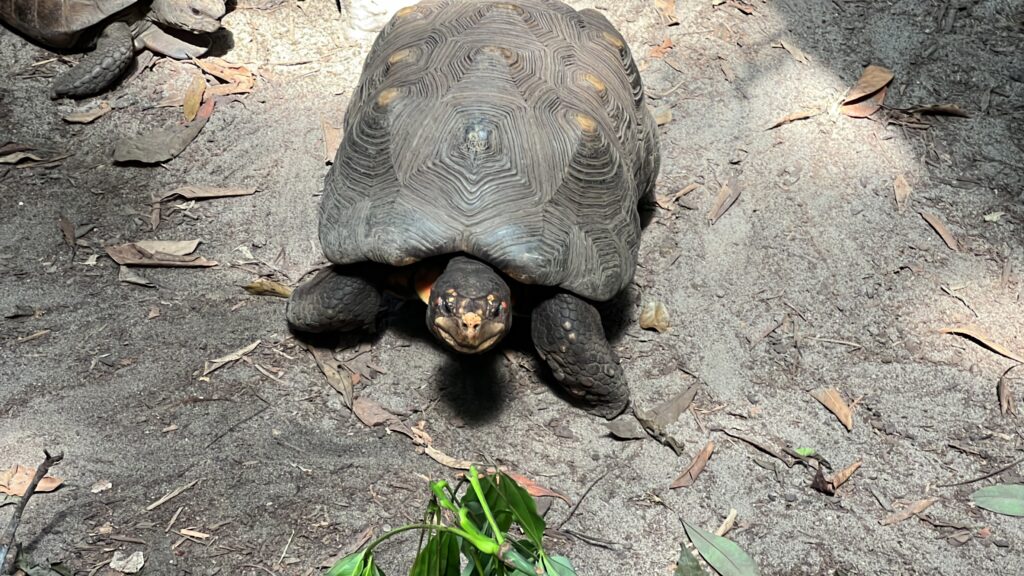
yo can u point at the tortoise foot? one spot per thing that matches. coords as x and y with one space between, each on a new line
568 335
334 301
101 67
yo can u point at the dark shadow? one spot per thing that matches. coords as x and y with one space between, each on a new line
221 42
474 387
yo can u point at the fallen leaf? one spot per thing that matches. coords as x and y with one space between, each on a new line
798 115
129 276
372 414
939 110
172 247
687 564
1007 401
873 79
1005 499
940 227
446 460
979 336
657 420
162 144
690 474
831 398
328 365
89 115
726 197
913 509
840 478
239 79
902 191
795 52
101 486
127 564
198 192
722 554
660 50
654 316
267 287
133 254
669 202
67 229
18 156
218 363
194 97
534 489
829 486
667 10
663 116
625 428
332 141
15 481
865 107
741 6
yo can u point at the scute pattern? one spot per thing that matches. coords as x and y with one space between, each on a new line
57 23
513 132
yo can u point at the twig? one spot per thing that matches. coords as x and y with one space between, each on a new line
286 546
853 345
727 524
237 424
584 495
7 541
985 477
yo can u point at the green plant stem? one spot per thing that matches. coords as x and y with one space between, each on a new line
439 527
474 480
513 559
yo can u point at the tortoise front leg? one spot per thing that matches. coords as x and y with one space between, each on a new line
101 67
568 335
335 300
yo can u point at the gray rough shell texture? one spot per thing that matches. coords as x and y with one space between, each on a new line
516 133
57 23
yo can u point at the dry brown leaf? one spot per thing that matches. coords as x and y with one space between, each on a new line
724 200
795 52
194 97
873 79
625 428
372 414
940 227
534 489
654 316
67 229
902 191
913 509
130 276
979 336
134 255
18 156
15 480
332 141
798 115
267 287
239 79
1007 401
446 460
328 365
218 363
865 107
162 145
660 50
689 476
89 115
831 398
741 6
840 478
173 247
667 10
199 192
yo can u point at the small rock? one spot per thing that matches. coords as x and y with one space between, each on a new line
790 497
1001 542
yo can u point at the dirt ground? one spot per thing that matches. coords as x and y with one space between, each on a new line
857 292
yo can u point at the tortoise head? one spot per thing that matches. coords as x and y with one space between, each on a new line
469 306
195 16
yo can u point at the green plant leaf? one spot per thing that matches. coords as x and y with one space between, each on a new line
499 507
722 554
562 566
687 564
523 508
440 557
1001 498
352 565
806 452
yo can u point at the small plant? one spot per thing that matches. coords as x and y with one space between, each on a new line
474 526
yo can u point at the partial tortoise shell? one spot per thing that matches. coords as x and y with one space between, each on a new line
57 23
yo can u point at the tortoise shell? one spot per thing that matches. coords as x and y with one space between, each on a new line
513 132
56 23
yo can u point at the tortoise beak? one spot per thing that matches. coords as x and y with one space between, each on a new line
468 333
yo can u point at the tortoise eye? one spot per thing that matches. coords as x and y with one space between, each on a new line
495 311
447 305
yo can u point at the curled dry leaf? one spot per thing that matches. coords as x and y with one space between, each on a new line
267 287
194 97
660 50
913 509
873 79
831 398
342 384
371 413
724 200
446 460
129 276
654 316
625 428
840 478
239 79
199 192
981 337
690 474
88 115
795 52
669 202
1007 402
163 144
15 480
830 485
798 115
218 363
943 231
534 489
136 254
901 189
864 107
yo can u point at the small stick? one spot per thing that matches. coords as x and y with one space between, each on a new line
727 524
7 540
584 495
985 477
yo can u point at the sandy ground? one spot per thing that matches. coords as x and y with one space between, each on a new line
857 290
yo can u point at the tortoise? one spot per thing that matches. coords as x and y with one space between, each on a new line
493 153
119 27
